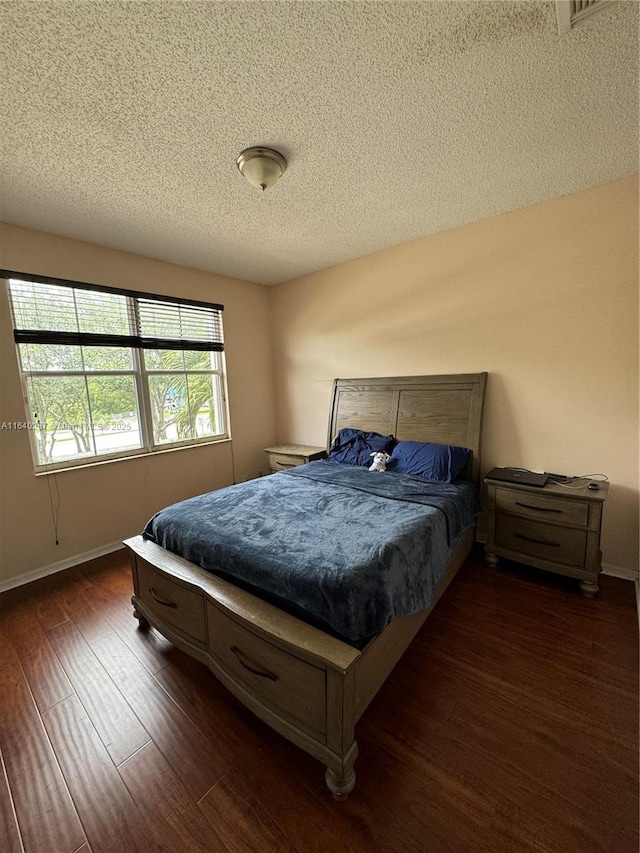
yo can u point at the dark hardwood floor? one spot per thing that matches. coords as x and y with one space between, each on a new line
519 733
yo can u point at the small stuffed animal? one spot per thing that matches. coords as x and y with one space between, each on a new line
379 461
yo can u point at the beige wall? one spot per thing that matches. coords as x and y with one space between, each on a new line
544 298
102 504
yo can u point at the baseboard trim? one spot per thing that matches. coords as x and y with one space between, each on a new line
607 568
620 572
59 566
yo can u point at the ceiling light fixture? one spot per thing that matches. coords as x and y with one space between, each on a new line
262 167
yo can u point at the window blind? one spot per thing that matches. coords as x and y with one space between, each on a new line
55 311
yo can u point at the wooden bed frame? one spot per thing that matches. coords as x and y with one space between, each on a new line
304 683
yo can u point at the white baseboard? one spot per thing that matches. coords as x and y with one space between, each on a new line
620 572
60 566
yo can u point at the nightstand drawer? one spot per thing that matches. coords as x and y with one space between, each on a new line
280 461
543 507
543 541
284 456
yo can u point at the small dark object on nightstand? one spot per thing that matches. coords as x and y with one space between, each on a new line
594 487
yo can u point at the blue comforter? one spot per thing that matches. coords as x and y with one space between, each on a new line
342 547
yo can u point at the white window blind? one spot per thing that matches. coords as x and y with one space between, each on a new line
71 313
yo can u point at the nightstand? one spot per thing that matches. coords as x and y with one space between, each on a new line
285 456
554 528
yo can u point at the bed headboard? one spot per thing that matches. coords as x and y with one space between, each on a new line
442 409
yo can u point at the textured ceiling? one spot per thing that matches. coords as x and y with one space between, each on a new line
122 122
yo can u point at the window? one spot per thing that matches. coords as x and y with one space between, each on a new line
109 373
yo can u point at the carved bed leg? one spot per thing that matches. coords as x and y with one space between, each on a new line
492 559
589 588
340 775
340 786
143 623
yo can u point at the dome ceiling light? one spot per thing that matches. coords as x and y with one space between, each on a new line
262 167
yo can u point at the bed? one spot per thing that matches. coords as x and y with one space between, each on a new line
292 664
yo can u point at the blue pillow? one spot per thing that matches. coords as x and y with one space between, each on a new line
354 446
439 462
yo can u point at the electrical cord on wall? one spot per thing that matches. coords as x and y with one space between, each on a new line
55 511
233 464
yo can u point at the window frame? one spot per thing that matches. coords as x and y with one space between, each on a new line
140 374
147 415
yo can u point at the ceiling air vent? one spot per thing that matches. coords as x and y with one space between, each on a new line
574 12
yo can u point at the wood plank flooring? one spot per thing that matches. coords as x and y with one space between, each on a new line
510 725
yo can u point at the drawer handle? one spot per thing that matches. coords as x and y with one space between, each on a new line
538 508
537 541
285 464
261 672
162 601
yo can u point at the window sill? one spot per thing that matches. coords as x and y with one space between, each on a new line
144 455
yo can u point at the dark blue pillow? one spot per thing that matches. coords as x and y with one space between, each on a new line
439 462
354 446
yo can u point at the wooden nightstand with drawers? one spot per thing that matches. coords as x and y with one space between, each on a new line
554 528
285 456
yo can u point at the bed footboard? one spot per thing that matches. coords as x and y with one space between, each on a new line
297 679
305 684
